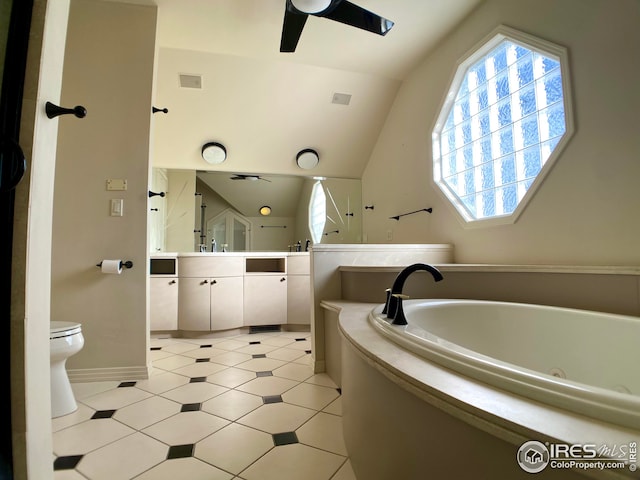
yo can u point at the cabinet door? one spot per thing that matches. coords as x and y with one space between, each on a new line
163 298
298 299
194 304
226 303
265 299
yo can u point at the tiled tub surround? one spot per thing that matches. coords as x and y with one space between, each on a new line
437 417
242 407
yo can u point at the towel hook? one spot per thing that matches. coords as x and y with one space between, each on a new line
53 110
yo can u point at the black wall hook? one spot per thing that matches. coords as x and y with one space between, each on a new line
53 111
153 194
156 110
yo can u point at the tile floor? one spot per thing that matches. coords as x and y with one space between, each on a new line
244 407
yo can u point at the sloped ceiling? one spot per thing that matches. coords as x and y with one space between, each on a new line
280 192
265 106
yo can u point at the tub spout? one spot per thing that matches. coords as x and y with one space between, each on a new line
391 306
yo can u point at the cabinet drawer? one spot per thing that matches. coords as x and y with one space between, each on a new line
211 266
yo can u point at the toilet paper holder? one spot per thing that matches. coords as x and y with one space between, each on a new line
127 264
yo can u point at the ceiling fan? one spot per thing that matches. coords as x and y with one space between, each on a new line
240 176
297 11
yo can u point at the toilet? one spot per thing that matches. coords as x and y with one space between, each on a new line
65 340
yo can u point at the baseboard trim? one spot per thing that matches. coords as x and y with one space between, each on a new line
108 374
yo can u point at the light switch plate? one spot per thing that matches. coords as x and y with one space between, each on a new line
116 184
117 205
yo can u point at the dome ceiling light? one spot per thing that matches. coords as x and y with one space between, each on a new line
265 210
214 153
307 158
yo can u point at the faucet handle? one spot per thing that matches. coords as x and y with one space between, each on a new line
399 318
385 309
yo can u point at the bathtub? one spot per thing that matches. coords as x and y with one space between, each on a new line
582 361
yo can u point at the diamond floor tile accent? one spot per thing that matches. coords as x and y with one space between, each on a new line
180 451
284 438
67 463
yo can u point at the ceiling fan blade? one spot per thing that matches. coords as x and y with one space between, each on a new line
292 26
350 14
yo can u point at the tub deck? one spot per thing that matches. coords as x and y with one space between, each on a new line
503 414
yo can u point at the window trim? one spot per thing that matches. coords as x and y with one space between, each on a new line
488 43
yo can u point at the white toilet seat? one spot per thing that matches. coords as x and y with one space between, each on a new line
64 329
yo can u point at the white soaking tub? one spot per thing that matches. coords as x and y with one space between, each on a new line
582 361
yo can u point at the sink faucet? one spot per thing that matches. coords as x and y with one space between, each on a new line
393 305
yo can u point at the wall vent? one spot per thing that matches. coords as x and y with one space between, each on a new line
341 98
190 81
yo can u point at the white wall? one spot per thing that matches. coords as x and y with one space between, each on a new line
31 256
108 68
585 212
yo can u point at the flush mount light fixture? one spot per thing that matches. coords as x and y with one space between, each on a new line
214 153
307 158
311 6
265 210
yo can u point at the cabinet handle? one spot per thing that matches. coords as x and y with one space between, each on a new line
283 279
172 282
213 282
204 282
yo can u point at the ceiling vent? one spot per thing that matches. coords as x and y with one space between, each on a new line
190 81
341 98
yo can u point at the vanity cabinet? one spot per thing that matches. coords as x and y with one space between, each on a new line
226 291
163 298
210 293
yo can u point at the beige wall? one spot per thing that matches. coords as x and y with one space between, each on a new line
108 68
585 212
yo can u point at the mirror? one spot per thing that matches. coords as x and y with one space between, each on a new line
207 210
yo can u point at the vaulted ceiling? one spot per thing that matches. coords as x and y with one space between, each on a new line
265 106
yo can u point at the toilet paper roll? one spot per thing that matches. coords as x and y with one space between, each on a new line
111 266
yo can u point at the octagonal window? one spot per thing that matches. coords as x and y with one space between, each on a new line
505 119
